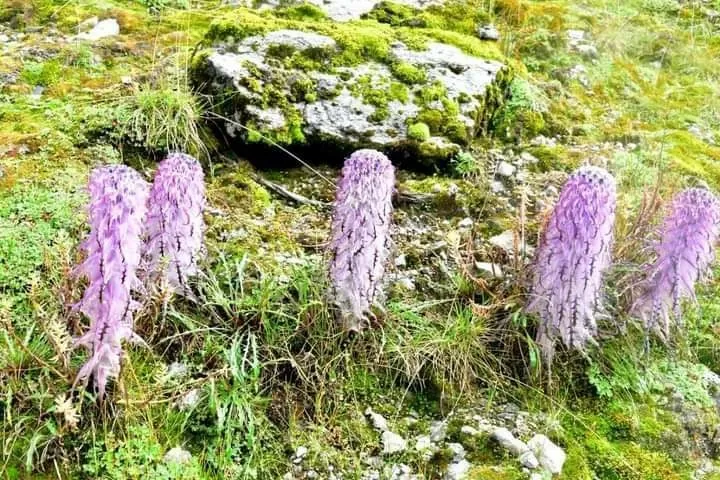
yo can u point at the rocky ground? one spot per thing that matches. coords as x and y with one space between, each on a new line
485 107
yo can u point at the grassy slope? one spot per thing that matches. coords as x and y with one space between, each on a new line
655 76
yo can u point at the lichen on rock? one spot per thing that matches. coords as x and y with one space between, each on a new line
347 86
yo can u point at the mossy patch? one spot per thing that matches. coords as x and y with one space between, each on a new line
408 73
418 132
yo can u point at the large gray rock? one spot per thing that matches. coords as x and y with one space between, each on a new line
393 443
340 10
550 456
350 107
508 441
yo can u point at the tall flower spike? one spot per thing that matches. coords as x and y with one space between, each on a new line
175 221
113 249
683 256
574 251
360 237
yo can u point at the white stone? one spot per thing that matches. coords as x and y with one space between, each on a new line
300 454
529 460
504 241
457 470
527 157
468 430
423 443
505 169
401 260
189 400
438 429
106 28
177 455
177 370
497 187
508 441
393 443
86 25
378 421
576 36
465 223
488 32
550 456
401 472
493 269
344 10
588 51
458 451
406 284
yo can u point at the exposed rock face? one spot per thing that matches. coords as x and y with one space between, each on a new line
340 10
371 105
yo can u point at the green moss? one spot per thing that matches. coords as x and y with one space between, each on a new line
523 113
433 119
305 11
42 74
391 13
280 50
302 88
418 132
237 187
490 472
33 220
693 156
408 73
379 95
576 465
434 92
442 151
552 159
456 131
399 92
468 44
235 28
380 114
628 461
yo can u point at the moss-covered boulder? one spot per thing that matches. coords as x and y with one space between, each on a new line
297 87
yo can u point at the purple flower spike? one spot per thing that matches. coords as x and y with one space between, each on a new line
175 221
574 251
360 237
118 197
683 257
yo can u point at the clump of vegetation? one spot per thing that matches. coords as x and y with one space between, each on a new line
258 366
408 73
166 118
418 132
523 113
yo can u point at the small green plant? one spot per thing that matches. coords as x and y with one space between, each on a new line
418 132
465 164
408 73
139 456
522 114
41 74
165 118
157 6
